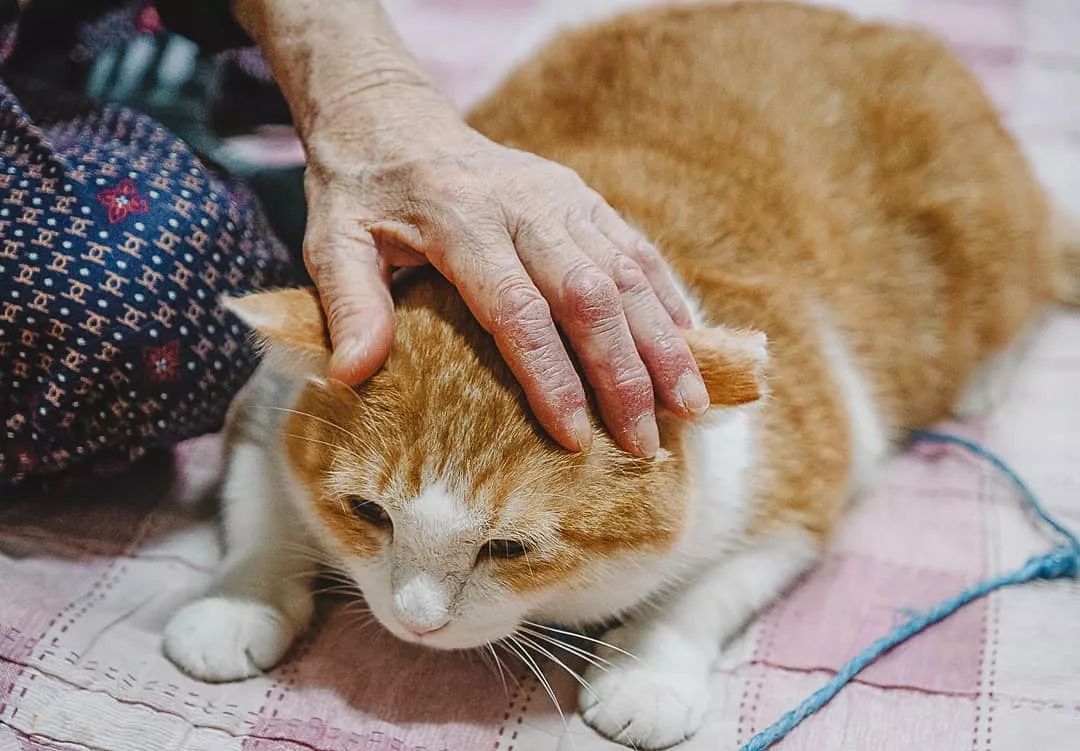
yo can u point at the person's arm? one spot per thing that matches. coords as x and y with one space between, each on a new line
396 178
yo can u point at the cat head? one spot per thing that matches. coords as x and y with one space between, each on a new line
434 488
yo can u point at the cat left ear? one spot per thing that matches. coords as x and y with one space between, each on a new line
290 328
732 364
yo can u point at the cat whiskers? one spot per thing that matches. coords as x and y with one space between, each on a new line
518 648
595 660
525 640
340 583
489 648
323 420
307 415
335 446
574 634
359 615
313 555
322 572
342 588
520 642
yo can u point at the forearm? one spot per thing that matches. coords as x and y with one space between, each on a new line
349 80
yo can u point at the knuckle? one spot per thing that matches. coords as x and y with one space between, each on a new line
669 357
600 211
591 296
621 374
646 254
628 370
628 275
634 390
677 307
341 309
530 338
535 352
551 370
523 314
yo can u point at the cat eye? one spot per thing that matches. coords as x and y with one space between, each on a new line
369 511
504 549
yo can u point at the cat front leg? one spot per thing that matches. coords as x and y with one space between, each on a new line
658 697
261 599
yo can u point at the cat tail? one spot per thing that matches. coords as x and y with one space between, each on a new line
1066 228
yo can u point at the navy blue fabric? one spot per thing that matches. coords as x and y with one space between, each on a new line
116 242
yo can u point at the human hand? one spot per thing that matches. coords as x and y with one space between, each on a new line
529 246
396 178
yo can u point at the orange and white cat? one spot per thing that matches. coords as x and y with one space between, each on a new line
857 233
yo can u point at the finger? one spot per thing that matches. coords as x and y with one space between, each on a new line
628 240
664 351
396 243
504 299
586 304
354 288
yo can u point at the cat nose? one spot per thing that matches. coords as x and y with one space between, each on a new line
421 605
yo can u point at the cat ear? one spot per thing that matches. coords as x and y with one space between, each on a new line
290 328
732 364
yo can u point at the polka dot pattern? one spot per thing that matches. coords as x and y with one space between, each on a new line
116 243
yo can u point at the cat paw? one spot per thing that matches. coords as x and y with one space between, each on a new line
644 706
219 639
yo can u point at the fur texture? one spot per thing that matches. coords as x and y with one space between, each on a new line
839 195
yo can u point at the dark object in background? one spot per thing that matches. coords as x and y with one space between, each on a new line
208 23
95 48
49 29
242 102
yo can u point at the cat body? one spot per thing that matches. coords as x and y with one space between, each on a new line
856 233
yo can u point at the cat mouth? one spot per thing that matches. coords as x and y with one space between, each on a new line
447 638
437 641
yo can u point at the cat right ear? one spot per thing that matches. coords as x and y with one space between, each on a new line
290 328
732 364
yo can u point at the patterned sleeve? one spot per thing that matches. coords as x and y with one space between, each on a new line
208 23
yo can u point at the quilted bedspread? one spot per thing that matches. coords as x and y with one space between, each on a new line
87 582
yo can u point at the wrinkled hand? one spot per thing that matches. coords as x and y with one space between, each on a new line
529 246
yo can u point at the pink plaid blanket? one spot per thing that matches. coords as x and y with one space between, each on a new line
86 583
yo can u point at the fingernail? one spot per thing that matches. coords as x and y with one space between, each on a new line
582 430
647 437
691 393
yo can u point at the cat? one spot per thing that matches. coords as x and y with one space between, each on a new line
856 231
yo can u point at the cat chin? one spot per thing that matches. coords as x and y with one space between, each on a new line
448 639
455 635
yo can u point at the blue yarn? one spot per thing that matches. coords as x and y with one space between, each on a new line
1062 561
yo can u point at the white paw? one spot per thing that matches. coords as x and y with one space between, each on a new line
645 706
226 639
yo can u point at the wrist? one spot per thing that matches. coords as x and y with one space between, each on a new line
387 101
342 68
410 130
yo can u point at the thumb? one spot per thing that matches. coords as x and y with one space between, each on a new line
354 287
